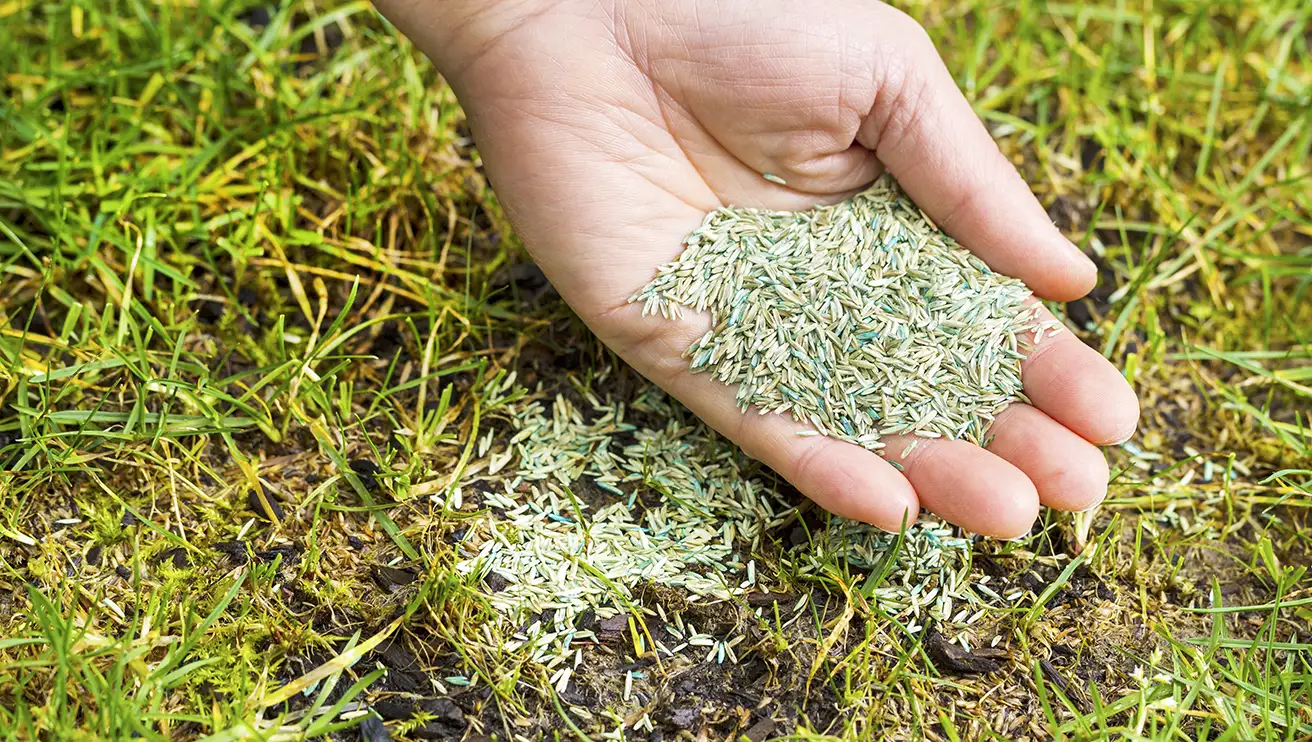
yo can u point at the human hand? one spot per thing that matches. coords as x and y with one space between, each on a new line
609 130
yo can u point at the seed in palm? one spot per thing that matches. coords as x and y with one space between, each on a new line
862 319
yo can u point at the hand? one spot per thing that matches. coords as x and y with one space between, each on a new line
609 130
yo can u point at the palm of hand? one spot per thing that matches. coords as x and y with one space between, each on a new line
609 137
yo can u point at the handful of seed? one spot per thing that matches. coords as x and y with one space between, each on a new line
862 318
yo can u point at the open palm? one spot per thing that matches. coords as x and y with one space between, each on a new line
609 130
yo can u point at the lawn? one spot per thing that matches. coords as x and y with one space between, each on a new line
275 370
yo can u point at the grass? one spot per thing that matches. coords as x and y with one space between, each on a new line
256 291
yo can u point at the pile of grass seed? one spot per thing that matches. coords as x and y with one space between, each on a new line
862 318
671 505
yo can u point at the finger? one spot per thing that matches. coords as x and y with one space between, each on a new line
967 485
1078 388
840 477
753 158
744 176
926 133
843 478
1068 471
839 172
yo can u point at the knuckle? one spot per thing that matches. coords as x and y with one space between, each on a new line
808 461
901 107
908 30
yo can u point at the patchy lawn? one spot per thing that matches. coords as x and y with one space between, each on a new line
266 341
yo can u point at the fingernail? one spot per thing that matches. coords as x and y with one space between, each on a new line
1125 438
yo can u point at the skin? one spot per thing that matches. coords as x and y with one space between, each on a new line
610 128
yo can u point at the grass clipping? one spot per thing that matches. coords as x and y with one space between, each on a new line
862 318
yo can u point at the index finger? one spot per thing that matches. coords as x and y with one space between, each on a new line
929 137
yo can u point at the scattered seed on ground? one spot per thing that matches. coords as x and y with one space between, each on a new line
685 511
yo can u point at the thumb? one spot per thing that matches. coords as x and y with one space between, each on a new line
925 132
